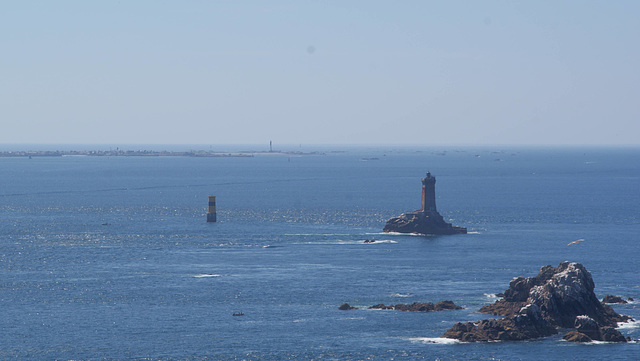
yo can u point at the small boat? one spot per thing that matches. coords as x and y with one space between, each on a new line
238 314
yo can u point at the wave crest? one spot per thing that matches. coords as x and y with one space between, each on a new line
207 275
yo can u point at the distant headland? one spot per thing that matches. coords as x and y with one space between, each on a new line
143 153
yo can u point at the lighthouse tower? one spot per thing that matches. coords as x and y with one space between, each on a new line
427 220
428 194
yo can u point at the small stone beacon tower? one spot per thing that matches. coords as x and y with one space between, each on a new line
211 213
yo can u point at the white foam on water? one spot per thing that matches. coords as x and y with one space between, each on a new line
401 234
348 241
435 340
316 234
595 342
491 295
207 275
473 232
590 343
628 325
401 294
374 241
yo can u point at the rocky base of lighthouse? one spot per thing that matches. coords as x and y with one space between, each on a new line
421 223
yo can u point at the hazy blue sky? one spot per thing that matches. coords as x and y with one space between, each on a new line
318 72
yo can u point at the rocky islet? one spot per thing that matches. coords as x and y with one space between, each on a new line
414 307
557 298
427 220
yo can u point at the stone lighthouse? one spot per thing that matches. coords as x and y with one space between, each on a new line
429 194
427 220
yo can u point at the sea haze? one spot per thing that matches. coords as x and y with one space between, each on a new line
112 258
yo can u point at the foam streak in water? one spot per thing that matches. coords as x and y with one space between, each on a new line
436 340
207 275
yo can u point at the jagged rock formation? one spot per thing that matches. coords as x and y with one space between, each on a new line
575 336
587 330
425 221
562 293
528 323
419 306
536 306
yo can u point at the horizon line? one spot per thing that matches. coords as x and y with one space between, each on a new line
325 145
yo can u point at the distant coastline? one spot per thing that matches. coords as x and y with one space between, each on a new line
143 153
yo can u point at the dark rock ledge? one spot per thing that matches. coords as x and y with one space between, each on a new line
420 222
587 330
613 299
420 307
557 298
346 307
414 307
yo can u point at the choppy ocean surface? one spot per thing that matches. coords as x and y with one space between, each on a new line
111 257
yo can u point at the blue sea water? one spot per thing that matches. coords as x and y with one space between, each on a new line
111 257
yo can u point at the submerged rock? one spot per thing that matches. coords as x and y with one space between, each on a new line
446 305
613 299
381 306
346 307
415 307
558 297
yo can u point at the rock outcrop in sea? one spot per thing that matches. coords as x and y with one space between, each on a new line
587 330
414 307
427 220
528 323
613 299
420 306
558 297
346 307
